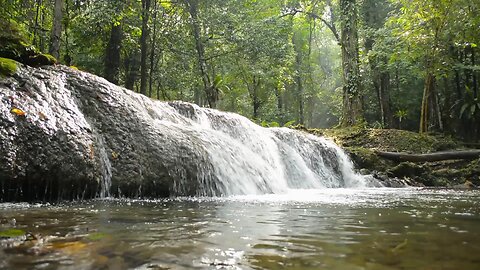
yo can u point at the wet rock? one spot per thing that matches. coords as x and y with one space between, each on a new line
407 169
466 185
71 140
364 171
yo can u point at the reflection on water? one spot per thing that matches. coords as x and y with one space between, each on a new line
305 229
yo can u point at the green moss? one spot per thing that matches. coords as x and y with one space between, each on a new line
8 67
11 233
388 139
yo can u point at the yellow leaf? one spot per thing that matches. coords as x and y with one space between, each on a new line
17 112
115 155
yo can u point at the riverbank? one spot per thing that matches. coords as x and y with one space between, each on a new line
364 144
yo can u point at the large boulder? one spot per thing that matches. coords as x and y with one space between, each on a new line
67 134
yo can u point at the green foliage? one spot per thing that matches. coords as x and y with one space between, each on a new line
275 61
13 41
290 123
8 67
401 115
471 105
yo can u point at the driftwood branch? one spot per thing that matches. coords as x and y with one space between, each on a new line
438 156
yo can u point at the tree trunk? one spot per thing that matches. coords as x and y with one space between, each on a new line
352 110
37 25
430 117
386 111
67 58
278 96
112 54
56 29
211 92
425 106
474 72
131 70
253 91
298 82
447 104
144 46
431 157
152 50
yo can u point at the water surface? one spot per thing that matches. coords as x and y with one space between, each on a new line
304 229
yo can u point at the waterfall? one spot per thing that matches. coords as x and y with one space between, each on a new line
105 167
250 159
82 137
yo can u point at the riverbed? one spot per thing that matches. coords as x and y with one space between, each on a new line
376 228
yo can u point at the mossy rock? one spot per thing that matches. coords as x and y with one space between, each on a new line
8 67
408 169
14 45
368 159
42 59
13 42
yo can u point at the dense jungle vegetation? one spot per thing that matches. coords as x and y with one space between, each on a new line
405 64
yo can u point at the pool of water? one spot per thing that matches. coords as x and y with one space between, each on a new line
304 229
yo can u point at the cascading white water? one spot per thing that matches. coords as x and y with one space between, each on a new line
106 168
98 139
249 159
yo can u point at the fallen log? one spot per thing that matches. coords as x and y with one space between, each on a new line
437 156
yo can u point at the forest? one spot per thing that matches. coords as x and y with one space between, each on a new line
402 64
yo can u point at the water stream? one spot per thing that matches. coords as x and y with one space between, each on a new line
302 229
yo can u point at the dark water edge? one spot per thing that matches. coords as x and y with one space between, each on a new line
304 229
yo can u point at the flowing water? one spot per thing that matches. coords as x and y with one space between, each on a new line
376 228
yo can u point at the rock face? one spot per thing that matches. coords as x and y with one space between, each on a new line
67 134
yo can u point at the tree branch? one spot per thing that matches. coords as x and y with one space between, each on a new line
330 25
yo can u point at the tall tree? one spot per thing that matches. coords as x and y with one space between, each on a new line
426 25
352 108
211 92
112 54
374 15
56 33
144 46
